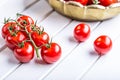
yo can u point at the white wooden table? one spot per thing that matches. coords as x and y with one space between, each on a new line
79 61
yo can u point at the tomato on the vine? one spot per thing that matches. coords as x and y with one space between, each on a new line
24 52
51 52
107 2
40 38
29 29
83 2
25 20
103 44
13 39
81 32
24 37
9 26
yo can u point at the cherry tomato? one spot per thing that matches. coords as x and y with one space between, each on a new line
25 53
83 2
40 38
103 44
13 40
107 2
82 32
9 26
51 53
25 20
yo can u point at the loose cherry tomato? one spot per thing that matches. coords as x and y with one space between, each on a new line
51 53
25 20
103 44
83 2
25 53
40 38
9 26
13 39
82 32
107 2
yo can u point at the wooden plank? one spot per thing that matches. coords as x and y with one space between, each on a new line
11 7
108 66
7 66
55 23
84 56
39 11
7 63
2 2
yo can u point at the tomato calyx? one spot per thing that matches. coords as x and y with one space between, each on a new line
40 31
18 15
48 45
20 45
11 32
95 1
6 20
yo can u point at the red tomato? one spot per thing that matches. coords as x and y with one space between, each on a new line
9 26
107 2
40 38
24 53
25 20
13 40
82 32
103 44
83 2
51 53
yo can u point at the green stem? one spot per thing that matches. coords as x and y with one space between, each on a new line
36 48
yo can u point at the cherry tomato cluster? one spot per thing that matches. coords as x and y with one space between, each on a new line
101 2
25 38
102 44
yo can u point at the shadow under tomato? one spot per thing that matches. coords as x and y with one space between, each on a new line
13 60
40 61
93 53
72 39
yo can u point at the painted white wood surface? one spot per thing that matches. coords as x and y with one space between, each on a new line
108 67
8 63
2 42
11 7
83 57
78 61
